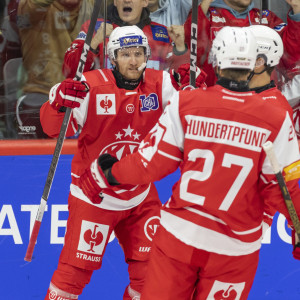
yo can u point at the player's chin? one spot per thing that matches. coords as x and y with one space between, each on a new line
133 74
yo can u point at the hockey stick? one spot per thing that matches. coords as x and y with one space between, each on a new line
61 137
104 33
268 148
263 6
194 36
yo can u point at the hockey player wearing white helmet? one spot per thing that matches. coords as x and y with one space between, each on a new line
233 55
207 245
215 14
115 113
270 51
168 49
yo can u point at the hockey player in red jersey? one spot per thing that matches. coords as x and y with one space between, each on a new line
270 51
115 109
163 54
215 14
290 89
210 233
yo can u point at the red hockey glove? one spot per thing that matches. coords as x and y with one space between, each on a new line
68 93
93 180
296 245
181 78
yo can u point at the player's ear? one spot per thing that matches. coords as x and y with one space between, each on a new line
145 3
259 62
113 62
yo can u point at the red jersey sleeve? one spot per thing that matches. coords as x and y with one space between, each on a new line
52 120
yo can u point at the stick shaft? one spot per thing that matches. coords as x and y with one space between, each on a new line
104 33
61 137
194 36
268 148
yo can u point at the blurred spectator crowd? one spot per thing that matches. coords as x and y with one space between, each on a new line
41 42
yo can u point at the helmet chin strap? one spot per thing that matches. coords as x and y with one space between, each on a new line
252 73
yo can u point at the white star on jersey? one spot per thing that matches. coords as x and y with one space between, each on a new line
136 136
118 135
128 131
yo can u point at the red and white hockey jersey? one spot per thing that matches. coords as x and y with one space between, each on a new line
215 136
208 27
114 121
290 90
276 97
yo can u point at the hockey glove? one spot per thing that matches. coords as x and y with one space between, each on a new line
93 180
68 93
181 78
296 245
296 116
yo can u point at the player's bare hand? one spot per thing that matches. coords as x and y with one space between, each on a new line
176 33
98 37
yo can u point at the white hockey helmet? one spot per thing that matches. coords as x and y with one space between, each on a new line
270 44
234 48
127 36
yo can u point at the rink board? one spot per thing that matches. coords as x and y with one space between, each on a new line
22 183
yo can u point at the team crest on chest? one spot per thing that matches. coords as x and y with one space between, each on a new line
106 104
127 141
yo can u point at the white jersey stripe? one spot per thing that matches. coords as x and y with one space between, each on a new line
109 202
204 238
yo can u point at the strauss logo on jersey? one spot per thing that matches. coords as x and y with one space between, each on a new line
93 237
226 290
106 104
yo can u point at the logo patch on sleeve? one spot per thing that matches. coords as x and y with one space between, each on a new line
106 104
160 33
292 171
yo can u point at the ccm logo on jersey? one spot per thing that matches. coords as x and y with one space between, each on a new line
106 104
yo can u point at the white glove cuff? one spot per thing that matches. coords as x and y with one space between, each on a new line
52 93
96 174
